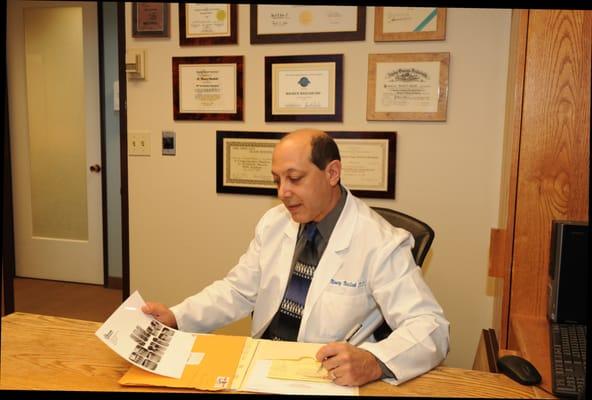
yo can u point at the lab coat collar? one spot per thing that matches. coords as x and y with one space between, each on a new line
332 258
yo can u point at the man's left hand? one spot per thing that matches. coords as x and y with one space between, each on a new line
349 365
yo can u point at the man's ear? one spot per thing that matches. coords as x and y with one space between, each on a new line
333 171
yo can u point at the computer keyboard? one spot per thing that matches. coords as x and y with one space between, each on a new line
568 363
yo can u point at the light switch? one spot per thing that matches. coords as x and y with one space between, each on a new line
138 144
168 143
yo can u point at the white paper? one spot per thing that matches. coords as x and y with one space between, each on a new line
259 382
144 341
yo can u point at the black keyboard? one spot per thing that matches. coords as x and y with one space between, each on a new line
568 361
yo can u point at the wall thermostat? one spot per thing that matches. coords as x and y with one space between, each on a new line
168 143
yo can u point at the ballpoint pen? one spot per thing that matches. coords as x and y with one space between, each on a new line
352 332
346 338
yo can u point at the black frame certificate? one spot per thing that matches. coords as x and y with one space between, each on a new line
243 162
207 24
306 23
208 88
304 88
408 86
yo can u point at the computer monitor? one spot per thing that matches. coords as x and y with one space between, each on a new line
568 272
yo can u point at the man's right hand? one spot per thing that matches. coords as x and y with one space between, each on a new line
161 312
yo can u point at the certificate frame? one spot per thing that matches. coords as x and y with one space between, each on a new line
257 147
407 86
352 30
150 19
304 88
414 23
227 35
220 84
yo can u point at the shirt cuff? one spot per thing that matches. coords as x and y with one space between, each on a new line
386 373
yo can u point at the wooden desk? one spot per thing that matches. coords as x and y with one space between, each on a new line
530 335
52 353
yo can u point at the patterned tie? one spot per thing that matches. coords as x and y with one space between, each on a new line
286 322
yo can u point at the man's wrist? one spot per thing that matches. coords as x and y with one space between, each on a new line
386 372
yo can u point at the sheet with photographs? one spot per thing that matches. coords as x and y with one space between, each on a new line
144 341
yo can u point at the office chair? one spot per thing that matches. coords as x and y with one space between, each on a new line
423 235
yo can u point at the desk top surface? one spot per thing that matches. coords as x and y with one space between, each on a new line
53 353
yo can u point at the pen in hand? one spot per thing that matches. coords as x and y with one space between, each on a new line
346 338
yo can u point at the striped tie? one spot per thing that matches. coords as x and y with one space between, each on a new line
286 321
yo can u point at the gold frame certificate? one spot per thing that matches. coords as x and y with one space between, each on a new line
409 23
207 87
408 86
304 88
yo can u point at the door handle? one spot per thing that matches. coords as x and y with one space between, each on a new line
95 168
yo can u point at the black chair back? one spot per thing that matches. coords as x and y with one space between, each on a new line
423 235
422 232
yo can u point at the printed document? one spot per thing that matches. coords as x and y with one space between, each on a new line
145 342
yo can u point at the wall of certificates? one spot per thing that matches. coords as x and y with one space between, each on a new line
300 88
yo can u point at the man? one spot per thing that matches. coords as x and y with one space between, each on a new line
320 264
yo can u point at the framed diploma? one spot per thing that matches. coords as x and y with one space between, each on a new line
304 88
243 162
409 23
150 19
208 88
408 86
307 23
207 24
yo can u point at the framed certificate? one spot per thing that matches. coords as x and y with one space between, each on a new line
409 23
208 88
207 24
150 19
408 86
307 23
304 88
243 162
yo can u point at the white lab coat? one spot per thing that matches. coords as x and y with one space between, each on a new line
367 266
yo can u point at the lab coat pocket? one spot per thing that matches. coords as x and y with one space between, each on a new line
342 310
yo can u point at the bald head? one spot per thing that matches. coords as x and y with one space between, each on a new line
321 147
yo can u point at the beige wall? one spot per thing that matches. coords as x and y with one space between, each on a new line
183 235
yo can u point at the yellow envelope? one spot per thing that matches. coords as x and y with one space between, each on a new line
215 371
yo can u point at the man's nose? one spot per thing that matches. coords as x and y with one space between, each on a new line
283 191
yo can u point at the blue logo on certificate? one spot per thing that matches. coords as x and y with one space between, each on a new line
304 81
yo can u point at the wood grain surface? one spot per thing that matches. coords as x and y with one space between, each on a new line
55 353
554 147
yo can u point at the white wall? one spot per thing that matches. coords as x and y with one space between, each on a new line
183 235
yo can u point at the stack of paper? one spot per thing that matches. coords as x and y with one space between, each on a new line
212 362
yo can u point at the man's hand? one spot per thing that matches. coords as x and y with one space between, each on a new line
349 365
161 313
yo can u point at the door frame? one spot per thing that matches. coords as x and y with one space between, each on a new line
125 274
8 251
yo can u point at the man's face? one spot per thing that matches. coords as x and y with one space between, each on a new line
304 189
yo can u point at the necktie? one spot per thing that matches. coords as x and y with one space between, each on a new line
286 322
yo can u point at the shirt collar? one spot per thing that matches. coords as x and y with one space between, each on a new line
326 225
